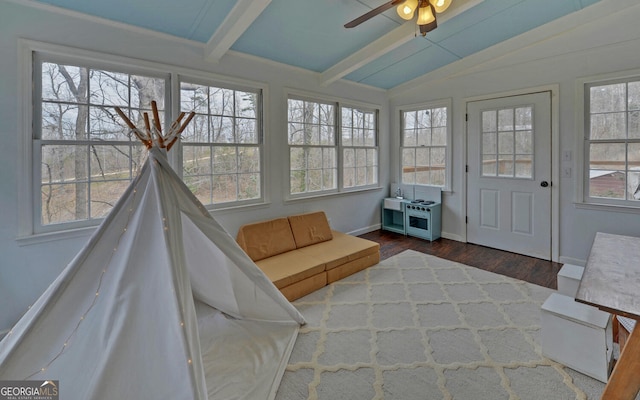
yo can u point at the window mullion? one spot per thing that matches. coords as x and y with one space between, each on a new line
417 139
224 164
603 101
59 146
319 149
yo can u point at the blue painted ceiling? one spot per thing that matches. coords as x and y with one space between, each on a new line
310 33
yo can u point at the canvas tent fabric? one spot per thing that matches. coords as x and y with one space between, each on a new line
160 304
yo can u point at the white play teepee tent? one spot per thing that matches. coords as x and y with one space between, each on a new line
160 304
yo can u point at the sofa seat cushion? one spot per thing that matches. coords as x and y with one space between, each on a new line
341 249
304 287
288 268
310 228
351 267
264 239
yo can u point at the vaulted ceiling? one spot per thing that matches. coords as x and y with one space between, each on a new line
383 52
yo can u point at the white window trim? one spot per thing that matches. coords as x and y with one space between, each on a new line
341 148
43 56
338 102
448 104
580 198
26 190
261 141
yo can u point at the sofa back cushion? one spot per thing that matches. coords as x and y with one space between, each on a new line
310 228
265 239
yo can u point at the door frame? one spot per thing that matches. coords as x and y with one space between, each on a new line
555 160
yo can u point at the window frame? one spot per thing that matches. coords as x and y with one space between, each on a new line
338 104
37 142
582 199
442 103
30 231
513 154
375 146
260 134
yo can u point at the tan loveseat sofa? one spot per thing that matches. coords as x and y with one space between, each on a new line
301 254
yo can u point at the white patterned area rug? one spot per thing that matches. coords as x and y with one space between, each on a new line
419 327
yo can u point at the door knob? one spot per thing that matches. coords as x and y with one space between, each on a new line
544 183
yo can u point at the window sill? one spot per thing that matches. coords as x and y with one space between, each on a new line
38 238
319 195
229 209
607 207
86 232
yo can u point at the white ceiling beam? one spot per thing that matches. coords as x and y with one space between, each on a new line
234 25
370 52
387 43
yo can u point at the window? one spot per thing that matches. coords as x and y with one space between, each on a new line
612 140
318 161
223 144
425 149
507 142
82 156
312 146
87 155
359 151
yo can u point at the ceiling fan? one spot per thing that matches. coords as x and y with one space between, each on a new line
427 10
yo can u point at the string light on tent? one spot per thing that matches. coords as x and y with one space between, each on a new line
152 135
136 300
149 138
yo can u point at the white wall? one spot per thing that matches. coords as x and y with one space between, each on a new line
557 55
27 267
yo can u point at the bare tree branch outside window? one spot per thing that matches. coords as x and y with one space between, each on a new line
312 146
222 147
88 156
359 147
424 146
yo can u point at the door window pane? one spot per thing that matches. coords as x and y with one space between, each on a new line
508 152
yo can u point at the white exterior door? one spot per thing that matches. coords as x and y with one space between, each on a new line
509 174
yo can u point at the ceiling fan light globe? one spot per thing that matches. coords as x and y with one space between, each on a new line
407 9
426 15
428 27
440 5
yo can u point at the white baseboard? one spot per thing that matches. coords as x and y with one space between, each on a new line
367 229
571 260
459 238
376 227
452 236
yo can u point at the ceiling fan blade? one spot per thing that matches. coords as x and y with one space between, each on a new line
372 13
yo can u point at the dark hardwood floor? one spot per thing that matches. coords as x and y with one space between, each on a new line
517 266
